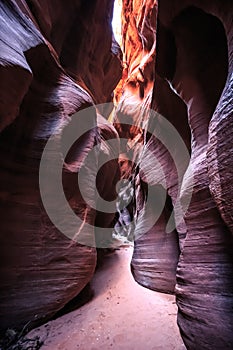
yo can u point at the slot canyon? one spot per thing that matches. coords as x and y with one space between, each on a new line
116 173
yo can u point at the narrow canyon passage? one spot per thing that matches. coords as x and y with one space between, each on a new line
116 125
121 315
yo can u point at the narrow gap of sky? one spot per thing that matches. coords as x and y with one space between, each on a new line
116 21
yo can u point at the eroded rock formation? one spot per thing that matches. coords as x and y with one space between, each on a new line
153 265
51 67
199 78
58 58
194 60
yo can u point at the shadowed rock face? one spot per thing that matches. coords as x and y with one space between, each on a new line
155 252
194 54
204 276
51 66
58 58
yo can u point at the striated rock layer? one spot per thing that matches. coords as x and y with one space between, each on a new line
156 251
194 53
51 66
204 276
192 89
58 58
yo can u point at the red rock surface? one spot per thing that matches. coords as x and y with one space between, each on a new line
156 253
51 67
204 279
58 58
194 54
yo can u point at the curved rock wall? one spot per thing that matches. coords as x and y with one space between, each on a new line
156 251
81 35
139 37
51 66
198 39
58 58
192 89
219 148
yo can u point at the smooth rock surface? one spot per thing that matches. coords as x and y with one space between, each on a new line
51 68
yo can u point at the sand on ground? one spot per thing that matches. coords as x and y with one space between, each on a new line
121 315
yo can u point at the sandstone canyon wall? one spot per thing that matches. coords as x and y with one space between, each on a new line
201 78
52 65
193 91
58 58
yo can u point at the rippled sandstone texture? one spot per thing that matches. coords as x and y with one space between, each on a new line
204 276
155 252
56 58
192 89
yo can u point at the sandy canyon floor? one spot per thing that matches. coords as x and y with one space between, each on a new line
121 315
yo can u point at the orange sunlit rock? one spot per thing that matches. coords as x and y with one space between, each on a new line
134 91
138 45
